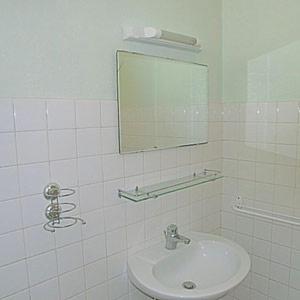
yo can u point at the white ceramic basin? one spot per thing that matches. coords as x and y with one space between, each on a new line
214 264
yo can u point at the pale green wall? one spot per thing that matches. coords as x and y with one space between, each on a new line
261 50
66 48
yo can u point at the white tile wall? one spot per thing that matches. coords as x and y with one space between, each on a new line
75 144
264 173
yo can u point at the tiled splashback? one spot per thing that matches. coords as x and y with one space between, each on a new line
261 162
75 144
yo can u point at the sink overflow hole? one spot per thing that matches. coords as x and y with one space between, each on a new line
189 285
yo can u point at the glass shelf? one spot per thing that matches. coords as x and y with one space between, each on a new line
156 190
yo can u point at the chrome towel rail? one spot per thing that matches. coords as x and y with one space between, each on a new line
270 215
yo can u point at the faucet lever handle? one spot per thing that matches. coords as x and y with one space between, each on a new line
172 230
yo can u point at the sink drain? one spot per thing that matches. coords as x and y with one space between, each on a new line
189 285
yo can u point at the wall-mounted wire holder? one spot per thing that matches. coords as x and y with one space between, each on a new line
55 210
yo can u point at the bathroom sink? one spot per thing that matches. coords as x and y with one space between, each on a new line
208 268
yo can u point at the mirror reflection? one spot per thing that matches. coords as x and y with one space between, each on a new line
163 103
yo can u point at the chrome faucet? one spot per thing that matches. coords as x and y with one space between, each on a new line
172 237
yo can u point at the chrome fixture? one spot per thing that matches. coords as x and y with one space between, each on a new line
54 210
189 285
172 237
161 37
239 207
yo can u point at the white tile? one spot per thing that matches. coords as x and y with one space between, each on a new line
69 258
33 178
262 230
48 290
93 293
111 192
168 158
37 240
294 278
94 223
95 273
113 167
87 113
281 254
42 267
286 154
115 217
24 295
116 264
62 144
110 143
244 225
118 287
64 172
230 112
261 248
296 239
279 273
294 294
152 207
13 278
246 170
133 181
12 248
153 227
33 210
8 154
277 290
183 216
261 266
295 259
71 283
89 170
60 114
94 248
135 212
133 164
264 172
91 197
151 161
116 241
287 112
32 146
135 234
281 235
260 283
10 216
267 112
285 175
286 133
88 141
9 185
257 295
242 239
6 116
183 156
30 115
69 236
109 113
80 296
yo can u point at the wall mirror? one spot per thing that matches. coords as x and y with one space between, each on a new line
163 103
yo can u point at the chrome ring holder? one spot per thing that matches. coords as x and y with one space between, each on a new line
55 209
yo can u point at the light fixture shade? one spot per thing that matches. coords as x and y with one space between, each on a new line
161 37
